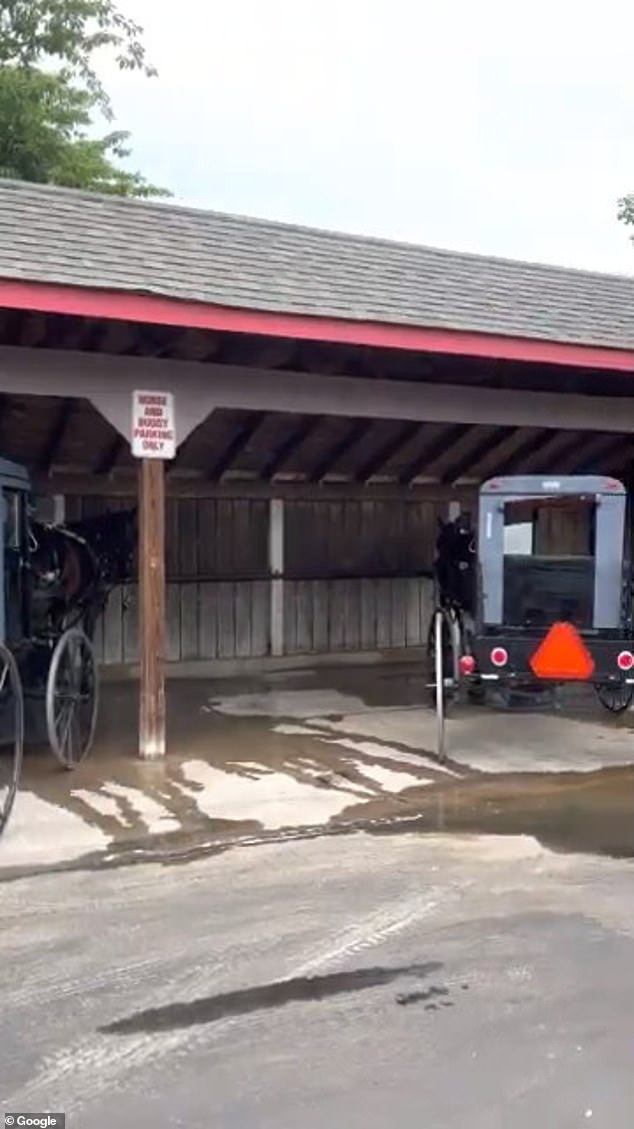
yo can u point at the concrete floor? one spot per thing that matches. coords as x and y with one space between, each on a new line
328 751
341 932
361 983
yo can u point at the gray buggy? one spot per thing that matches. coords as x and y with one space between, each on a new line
553 600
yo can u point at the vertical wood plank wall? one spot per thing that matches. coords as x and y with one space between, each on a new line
356 578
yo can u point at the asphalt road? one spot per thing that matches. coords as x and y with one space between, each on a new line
355 983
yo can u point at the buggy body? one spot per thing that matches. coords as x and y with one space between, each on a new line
553 582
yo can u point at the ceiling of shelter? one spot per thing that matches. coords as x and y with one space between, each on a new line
54 436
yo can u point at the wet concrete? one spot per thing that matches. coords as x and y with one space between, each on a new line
590 813
271 989
354 735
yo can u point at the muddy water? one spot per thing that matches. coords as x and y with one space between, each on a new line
581 812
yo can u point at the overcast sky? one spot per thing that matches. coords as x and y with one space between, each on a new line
486 125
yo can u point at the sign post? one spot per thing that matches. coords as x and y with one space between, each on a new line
153 441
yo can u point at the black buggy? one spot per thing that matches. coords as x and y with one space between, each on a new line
54 586
545 596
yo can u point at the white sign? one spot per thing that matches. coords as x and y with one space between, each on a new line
153 432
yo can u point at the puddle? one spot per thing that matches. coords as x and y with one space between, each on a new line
591 813
211 1009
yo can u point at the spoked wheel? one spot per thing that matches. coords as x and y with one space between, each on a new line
12 732
615 696
72 698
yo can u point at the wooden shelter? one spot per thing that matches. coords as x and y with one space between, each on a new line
333 394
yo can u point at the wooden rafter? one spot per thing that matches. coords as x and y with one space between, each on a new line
387 451
433 451
290 445
124 485
111 455
242 437
529 447
354 434
57 436
471 459
34 330
579 451
600 452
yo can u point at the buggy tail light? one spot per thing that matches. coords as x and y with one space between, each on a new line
625 660
499 656
466 664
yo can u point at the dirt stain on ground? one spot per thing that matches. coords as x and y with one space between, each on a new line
264 997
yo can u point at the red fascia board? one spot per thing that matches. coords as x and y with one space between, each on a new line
156 310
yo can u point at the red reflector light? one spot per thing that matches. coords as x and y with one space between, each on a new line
562 655
625 661
466 664
499 656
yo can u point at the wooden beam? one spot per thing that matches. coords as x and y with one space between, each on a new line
5 402
112 453
197 344
606 452
237 445
151 554
531 445
576 456
434 451
112 337
387 451
123 484
34 330
57 436
289 446
359 428
471 459
276 570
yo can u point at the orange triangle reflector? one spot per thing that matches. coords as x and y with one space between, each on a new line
562 655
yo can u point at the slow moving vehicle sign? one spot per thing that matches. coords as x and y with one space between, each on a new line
153 432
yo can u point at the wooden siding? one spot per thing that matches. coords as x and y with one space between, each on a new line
363 539
225 620
329 616
357 578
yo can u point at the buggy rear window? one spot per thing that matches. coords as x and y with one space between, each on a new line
549 561
549 527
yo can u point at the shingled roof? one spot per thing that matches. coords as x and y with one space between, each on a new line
80 239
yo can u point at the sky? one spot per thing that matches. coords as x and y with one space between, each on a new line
496 126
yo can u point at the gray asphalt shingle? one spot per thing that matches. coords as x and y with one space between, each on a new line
80 239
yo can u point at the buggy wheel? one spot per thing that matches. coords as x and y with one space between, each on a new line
12 732
439 678
72 698
615 696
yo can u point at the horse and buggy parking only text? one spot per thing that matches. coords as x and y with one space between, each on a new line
54 587
538 597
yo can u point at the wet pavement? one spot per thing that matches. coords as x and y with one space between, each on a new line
348 933
303 753
431 980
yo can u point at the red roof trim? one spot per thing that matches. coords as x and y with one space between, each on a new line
153 309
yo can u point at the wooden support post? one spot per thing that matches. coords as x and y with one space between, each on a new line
152 608
276 569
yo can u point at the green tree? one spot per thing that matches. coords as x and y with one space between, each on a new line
626 210
51 94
